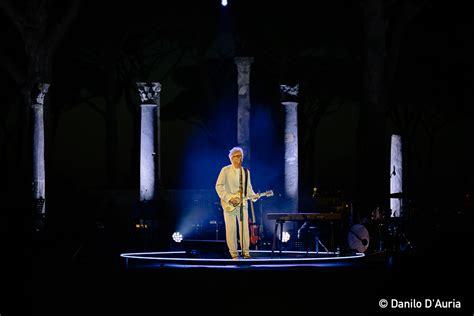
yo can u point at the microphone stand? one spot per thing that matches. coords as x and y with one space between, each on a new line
241 193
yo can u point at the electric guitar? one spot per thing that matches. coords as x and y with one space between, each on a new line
254 229
228 207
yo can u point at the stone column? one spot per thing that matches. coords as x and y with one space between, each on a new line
39 185
243 109
149 140
396 176
289 96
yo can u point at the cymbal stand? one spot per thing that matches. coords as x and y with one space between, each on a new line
397 235
319 242
407 243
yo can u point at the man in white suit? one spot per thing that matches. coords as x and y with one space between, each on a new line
233 185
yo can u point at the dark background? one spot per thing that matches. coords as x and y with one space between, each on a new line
92 120
92 113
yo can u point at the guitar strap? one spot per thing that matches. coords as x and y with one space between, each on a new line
241 193
246 179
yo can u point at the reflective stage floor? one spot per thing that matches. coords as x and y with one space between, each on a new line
169 282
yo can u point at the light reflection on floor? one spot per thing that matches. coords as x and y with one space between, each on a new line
261 259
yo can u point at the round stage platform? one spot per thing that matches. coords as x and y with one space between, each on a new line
259 259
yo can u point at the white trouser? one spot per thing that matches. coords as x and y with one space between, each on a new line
231 219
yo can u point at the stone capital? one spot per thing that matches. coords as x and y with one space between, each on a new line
286 89
149 92
289 93
243 61
43 89
243 66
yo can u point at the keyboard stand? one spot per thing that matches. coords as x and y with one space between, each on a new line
281 218
277 222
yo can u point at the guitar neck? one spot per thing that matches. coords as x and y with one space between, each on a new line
251 197
229 207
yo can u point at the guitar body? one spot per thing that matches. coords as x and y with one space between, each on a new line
254 233
254 229
229 207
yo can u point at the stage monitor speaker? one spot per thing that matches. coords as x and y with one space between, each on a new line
205 249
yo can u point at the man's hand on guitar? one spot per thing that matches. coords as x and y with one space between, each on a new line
234 201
